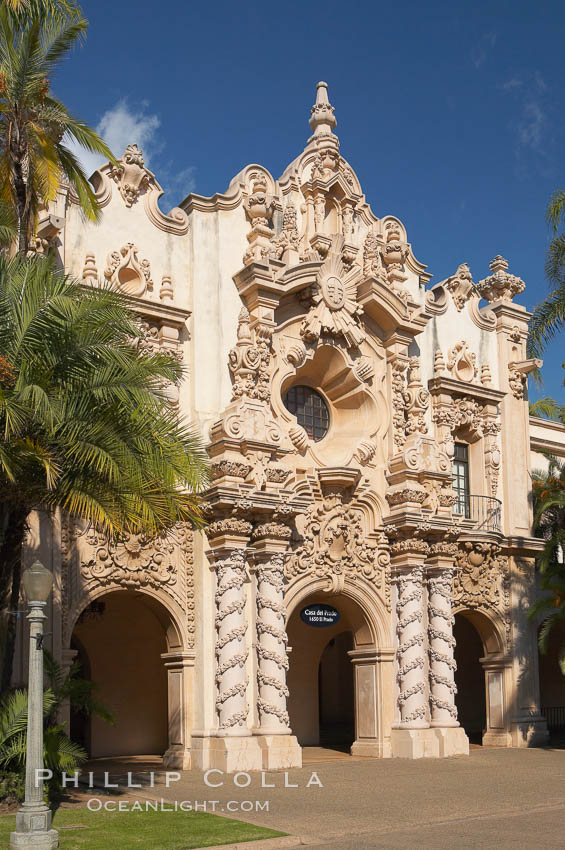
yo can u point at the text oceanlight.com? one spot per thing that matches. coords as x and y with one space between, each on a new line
95 804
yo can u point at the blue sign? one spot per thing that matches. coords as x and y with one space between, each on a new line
319 614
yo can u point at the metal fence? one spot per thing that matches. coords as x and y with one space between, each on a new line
483 510
555 716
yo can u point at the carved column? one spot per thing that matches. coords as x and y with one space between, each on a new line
411 659
441 643
278 745
272 660
231 645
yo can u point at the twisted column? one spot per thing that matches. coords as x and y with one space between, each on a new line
231 645
411 658
440 647
271 648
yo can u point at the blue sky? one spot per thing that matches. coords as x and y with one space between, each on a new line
451 113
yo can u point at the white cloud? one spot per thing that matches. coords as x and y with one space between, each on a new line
532 124
121 126
480 51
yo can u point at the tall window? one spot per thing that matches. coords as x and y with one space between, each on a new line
310 410
461 480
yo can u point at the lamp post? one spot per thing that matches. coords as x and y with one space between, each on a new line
33 821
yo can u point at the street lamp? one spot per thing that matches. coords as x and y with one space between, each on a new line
33 821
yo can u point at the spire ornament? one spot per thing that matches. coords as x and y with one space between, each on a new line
322 119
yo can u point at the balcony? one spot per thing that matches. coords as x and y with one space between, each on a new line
482 511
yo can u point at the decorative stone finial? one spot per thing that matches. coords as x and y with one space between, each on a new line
322 118
500 285
166 292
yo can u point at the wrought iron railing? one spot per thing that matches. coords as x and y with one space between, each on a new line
555 716
484 511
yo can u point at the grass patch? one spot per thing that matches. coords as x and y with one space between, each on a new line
130 830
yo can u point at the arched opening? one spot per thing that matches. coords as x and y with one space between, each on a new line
119 639
552 687
481 678
470 698
336 699
334 679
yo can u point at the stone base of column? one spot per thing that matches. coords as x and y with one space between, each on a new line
177 757
371 749
38 840
279 751
440 742
227 754
452 741
500 738
530 731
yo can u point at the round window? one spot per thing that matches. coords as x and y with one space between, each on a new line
310 410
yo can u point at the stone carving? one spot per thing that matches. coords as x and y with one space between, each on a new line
398 368
166 292
515 334
486 377
439 364
296 353
440 648
482 580
395 253
364 369
237 469
365 451
90 272
277 474
130 175
335 546
272 660
125 270
461 286
517 381
185 537
416 400
461 362
231 644
229 525
335 310
249 363
500 285
322 118
259 207
132 561
298 437
274 530
410 655
347 173
372 257
289 238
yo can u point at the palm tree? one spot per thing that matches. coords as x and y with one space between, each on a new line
23 8
59 752
549 315
548 408
549 516
34 125
85 420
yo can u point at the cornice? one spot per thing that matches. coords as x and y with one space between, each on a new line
453 387
175 316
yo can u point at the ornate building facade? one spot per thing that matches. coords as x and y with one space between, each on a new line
371 453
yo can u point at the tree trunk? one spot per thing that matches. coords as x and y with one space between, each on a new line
13 529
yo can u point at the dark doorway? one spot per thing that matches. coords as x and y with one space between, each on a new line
470 679
552 687
336 693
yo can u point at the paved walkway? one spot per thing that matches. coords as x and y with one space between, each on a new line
492 799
